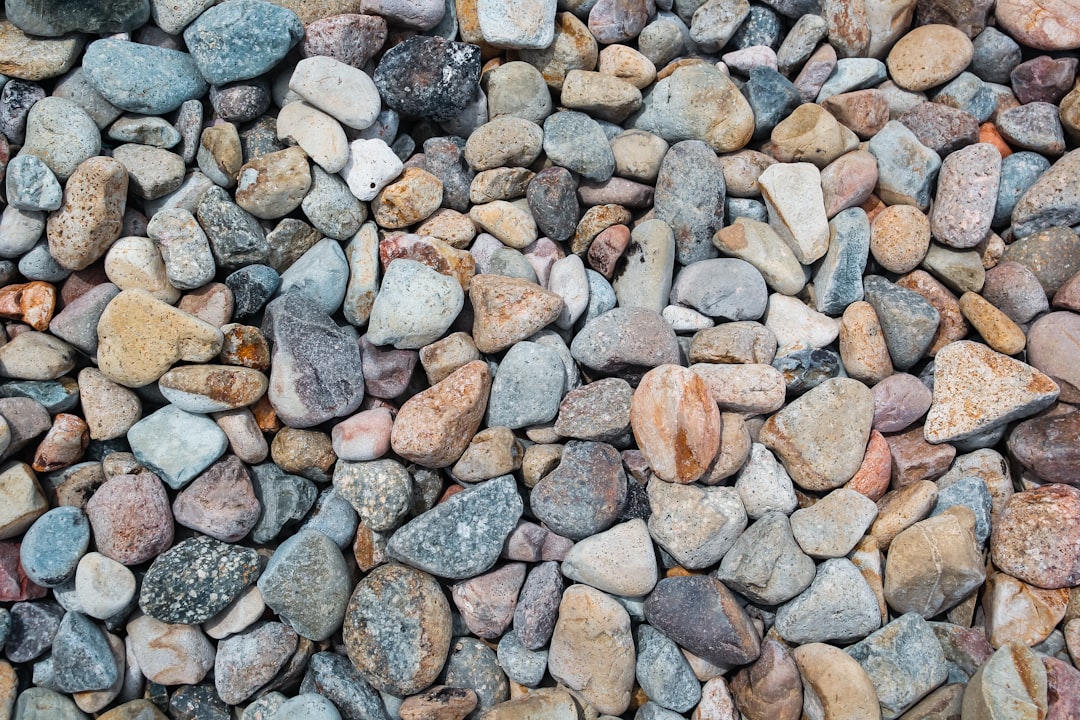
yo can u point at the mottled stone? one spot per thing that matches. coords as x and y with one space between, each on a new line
195 579
702 616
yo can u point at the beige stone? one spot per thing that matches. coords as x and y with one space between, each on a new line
746 388
835 687
1012 684
512 225
929 55
21 499
900 509
1018 612
1000 333
92 215
811 134
862 344
507 310
410 199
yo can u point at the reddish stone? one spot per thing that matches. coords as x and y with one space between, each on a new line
1048 447
1043 79
220 503
607 248
1037 537
386 370
32 303
350 38
63 445
1062 689
872 477
131 518
14 585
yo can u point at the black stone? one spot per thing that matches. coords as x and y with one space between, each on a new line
429 77
241 101
552 198
284 499
16 99
807 368
198 702
761 27
33 626
252 288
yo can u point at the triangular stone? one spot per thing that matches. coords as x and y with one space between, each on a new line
507 310
977 389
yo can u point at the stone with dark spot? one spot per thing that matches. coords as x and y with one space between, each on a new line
429 77
585 494
191 582
33 625
334 677
690 198
81 658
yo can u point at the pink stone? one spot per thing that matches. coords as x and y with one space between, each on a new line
487 602
14 585
1037 537
914 459
900 400
364 436
131 518
873 476
386 370
1042 24
1062 689
350 38
616 21
220 503
1043 79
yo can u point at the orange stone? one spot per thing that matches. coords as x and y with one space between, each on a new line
988 133
872 477
32 302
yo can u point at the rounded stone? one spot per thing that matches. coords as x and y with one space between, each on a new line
929 55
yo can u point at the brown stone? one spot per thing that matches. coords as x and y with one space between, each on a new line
32 303
770 688
1018 612
927 56
434 427
408 200
595 220
942 704
1047 447
900 509
63 445
606 249
1053 347
309 453
244 346
1037 537
873 476
439 703
995 327
1062 689
92 215
914 459
508 309
220 503
744 341
864 112
836 682
862 344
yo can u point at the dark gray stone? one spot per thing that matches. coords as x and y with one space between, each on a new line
16 99
197 702
334 517
941 128
307 583
316 373
334 677
474 665
463 536
53 545
838 280
995 55
552 198
444 158
689 197
663 672
56 396
538 605
429 77
250 659
81 657
235 236
33 625
761 27
192 581
1019 172
97 17
241 39
522 665
241 101
585 494
908 320
772 97
1034 126
599 410
807 368
284 498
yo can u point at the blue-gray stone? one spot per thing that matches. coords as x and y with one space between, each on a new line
334 677
5 625
194 580
852 74
663 671
56 396
429 77
316 373
176 445
904 660
907 169
309 706
970 94
242 101
772 97
552 198
97 17
31 185
761 27
653 711
236 239
33 625
575 141
538 605
463 536
38 703
260 138
1019 172
601 297
330 207
972 493
284 498
995 55
908 320
838 280
290 238
334 517
528 387
321 274
726 288
1034 126
522 665
53 545
252 288
444 158
748 208
142 78
689 197
474 665
585 494
415 305
807 368
307 583
77 322
511 263
39 264
82 659
241 39
16 99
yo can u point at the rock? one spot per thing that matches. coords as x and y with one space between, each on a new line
618 561
702 616
909 322
130 518
52 546
169 654
1053 29
428 77
765 564
906 168
273 185
575 141
1050 201
913 585
1017 611
585 494
103 587
374 633
415 305
247 661
434 427
142 78
838 605
242 41
176 445
834 682
592 650
928 56
527 388
29 58
1013 666
664 674
306 582
196 579
656 422
726 288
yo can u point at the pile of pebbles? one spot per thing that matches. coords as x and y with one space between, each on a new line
511 359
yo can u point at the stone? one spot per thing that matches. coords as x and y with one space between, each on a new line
592 649
1013 666
1050 201
664 674
510 224
434 427
242 41
248 660
832 526
176 445
1018 612
838 605
169 654
913 585
33 59
142 78
284 498
618 561
103 586
52 546
765 564
507 310
428 77
585 494
374 632
792 194
907 169
306 582
726 288
700 614
90 220
1043 559
834 682
769 688
273 185
928 56
487 602
130 518
1053 29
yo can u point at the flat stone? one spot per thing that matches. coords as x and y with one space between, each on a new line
838 605
1051 201
52 546
31 58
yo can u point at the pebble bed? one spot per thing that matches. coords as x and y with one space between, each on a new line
521 359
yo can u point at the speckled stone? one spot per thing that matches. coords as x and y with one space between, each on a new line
306 582
191 582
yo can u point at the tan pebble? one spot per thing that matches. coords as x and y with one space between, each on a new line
135 262
491 452
746 388
867 558
900 237
452 227
638 154
626 63
220 155
735 444
507 310
744 341
439 703
862 344
595 220
246 440
309 453
539 460
273 185
573 48
849 181
92 215
900 509
434 253
995 327
23 500
110 409
873 476
444 356
32 303
408 200
927 56
1018 612
811 134
1012 678
603 96
512 225
835 683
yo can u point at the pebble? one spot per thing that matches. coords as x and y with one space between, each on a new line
1044 560
52 546
1018 667
241 42
142 78
169 654
248 660
837 591
663 673
837 681
130 518
765 563
309 560
103 586
574 509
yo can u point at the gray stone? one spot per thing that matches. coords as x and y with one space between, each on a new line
696 524
522 665
576 142
334 517
62 134
766 564
908 320
146 130
1019 172
971 492
904 660
321 274
414 307
31 185
538 605
176 445
38 703
380 491
527 388
33 625
194 580
81 658
838 281
250 659
189 263
663 672
235 236
1053 200
334 677
463 536
242 39
316 373
690 198
474 665
88 16
643 274
284 498
75 87
552 199
907 169
330 207
307 583
52 546
839 605
142 78
585 494
626 342
726 288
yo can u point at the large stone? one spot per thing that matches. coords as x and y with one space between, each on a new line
835 685
1035 537
306 582
1011 684
839 605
